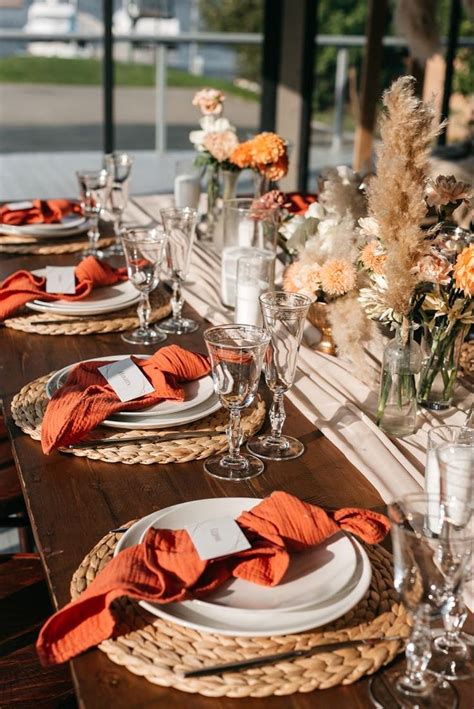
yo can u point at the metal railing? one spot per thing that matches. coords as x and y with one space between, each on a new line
161 44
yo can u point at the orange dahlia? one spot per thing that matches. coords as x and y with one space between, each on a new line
267 148
464 271
242 155
276 171
338 277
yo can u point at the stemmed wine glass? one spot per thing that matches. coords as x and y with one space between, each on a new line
451 655
180 225
236 353
94 189
144 251
422 560
119 165
284 317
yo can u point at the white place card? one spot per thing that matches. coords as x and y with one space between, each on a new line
217 537
60 279
16 206
126 379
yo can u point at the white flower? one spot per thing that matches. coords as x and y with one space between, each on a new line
369 227
209 124
315 211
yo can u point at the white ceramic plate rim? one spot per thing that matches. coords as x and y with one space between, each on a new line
283 623
336 578
146 421
124 299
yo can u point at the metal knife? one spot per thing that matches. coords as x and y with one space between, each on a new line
155 438
291 655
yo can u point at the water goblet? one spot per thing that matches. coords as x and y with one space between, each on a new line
144 252
119 165
94 188
284 316
451 656
421 559
180 225
236 353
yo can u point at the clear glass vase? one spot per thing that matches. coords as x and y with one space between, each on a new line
210 218
441 348
396 408
261 184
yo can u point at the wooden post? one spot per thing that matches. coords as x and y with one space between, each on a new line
295 86
270 63
453 37
370 84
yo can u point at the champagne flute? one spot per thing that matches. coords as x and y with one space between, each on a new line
180 225
236 353
94 188
451 657
144 252
284 316
119 165
419 557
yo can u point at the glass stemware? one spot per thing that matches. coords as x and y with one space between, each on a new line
284 316
451 656
119 165
94 188
144 251
180 226
236 353
422 558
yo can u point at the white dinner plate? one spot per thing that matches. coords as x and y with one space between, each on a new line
214 618
152 417
313 576
195 393
101 300
69 226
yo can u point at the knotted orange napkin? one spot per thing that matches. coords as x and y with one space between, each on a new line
23 286
165 567
298 203
87 399
42 211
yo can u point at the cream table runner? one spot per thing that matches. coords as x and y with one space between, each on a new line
326 390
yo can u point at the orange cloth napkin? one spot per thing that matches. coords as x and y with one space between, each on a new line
42 211
298 203
165 567
23 286
86 399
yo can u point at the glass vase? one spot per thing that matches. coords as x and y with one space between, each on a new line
210 218
396 408
441 347
229 184
261 184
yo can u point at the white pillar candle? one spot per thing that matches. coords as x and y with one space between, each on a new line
230 258
247 309
187 191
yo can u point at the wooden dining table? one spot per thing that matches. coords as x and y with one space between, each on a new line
72 502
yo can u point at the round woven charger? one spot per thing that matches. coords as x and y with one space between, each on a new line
28 407
12 244
161 651
119 321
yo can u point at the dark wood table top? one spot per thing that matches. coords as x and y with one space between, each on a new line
74 501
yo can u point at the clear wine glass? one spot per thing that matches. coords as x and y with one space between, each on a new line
284 316
144 252
236 353
119 165
180 226
451 656
94 189
420 558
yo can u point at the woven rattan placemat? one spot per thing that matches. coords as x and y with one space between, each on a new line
161 651
54 324
28 407
12 244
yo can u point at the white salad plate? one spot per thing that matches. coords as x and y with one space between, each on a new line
101 300
225 620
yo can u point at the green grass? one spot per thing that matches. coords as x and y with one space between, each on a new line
88 72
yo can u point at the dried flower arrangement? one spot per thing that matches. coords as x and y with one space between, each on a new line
418 277
325 244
